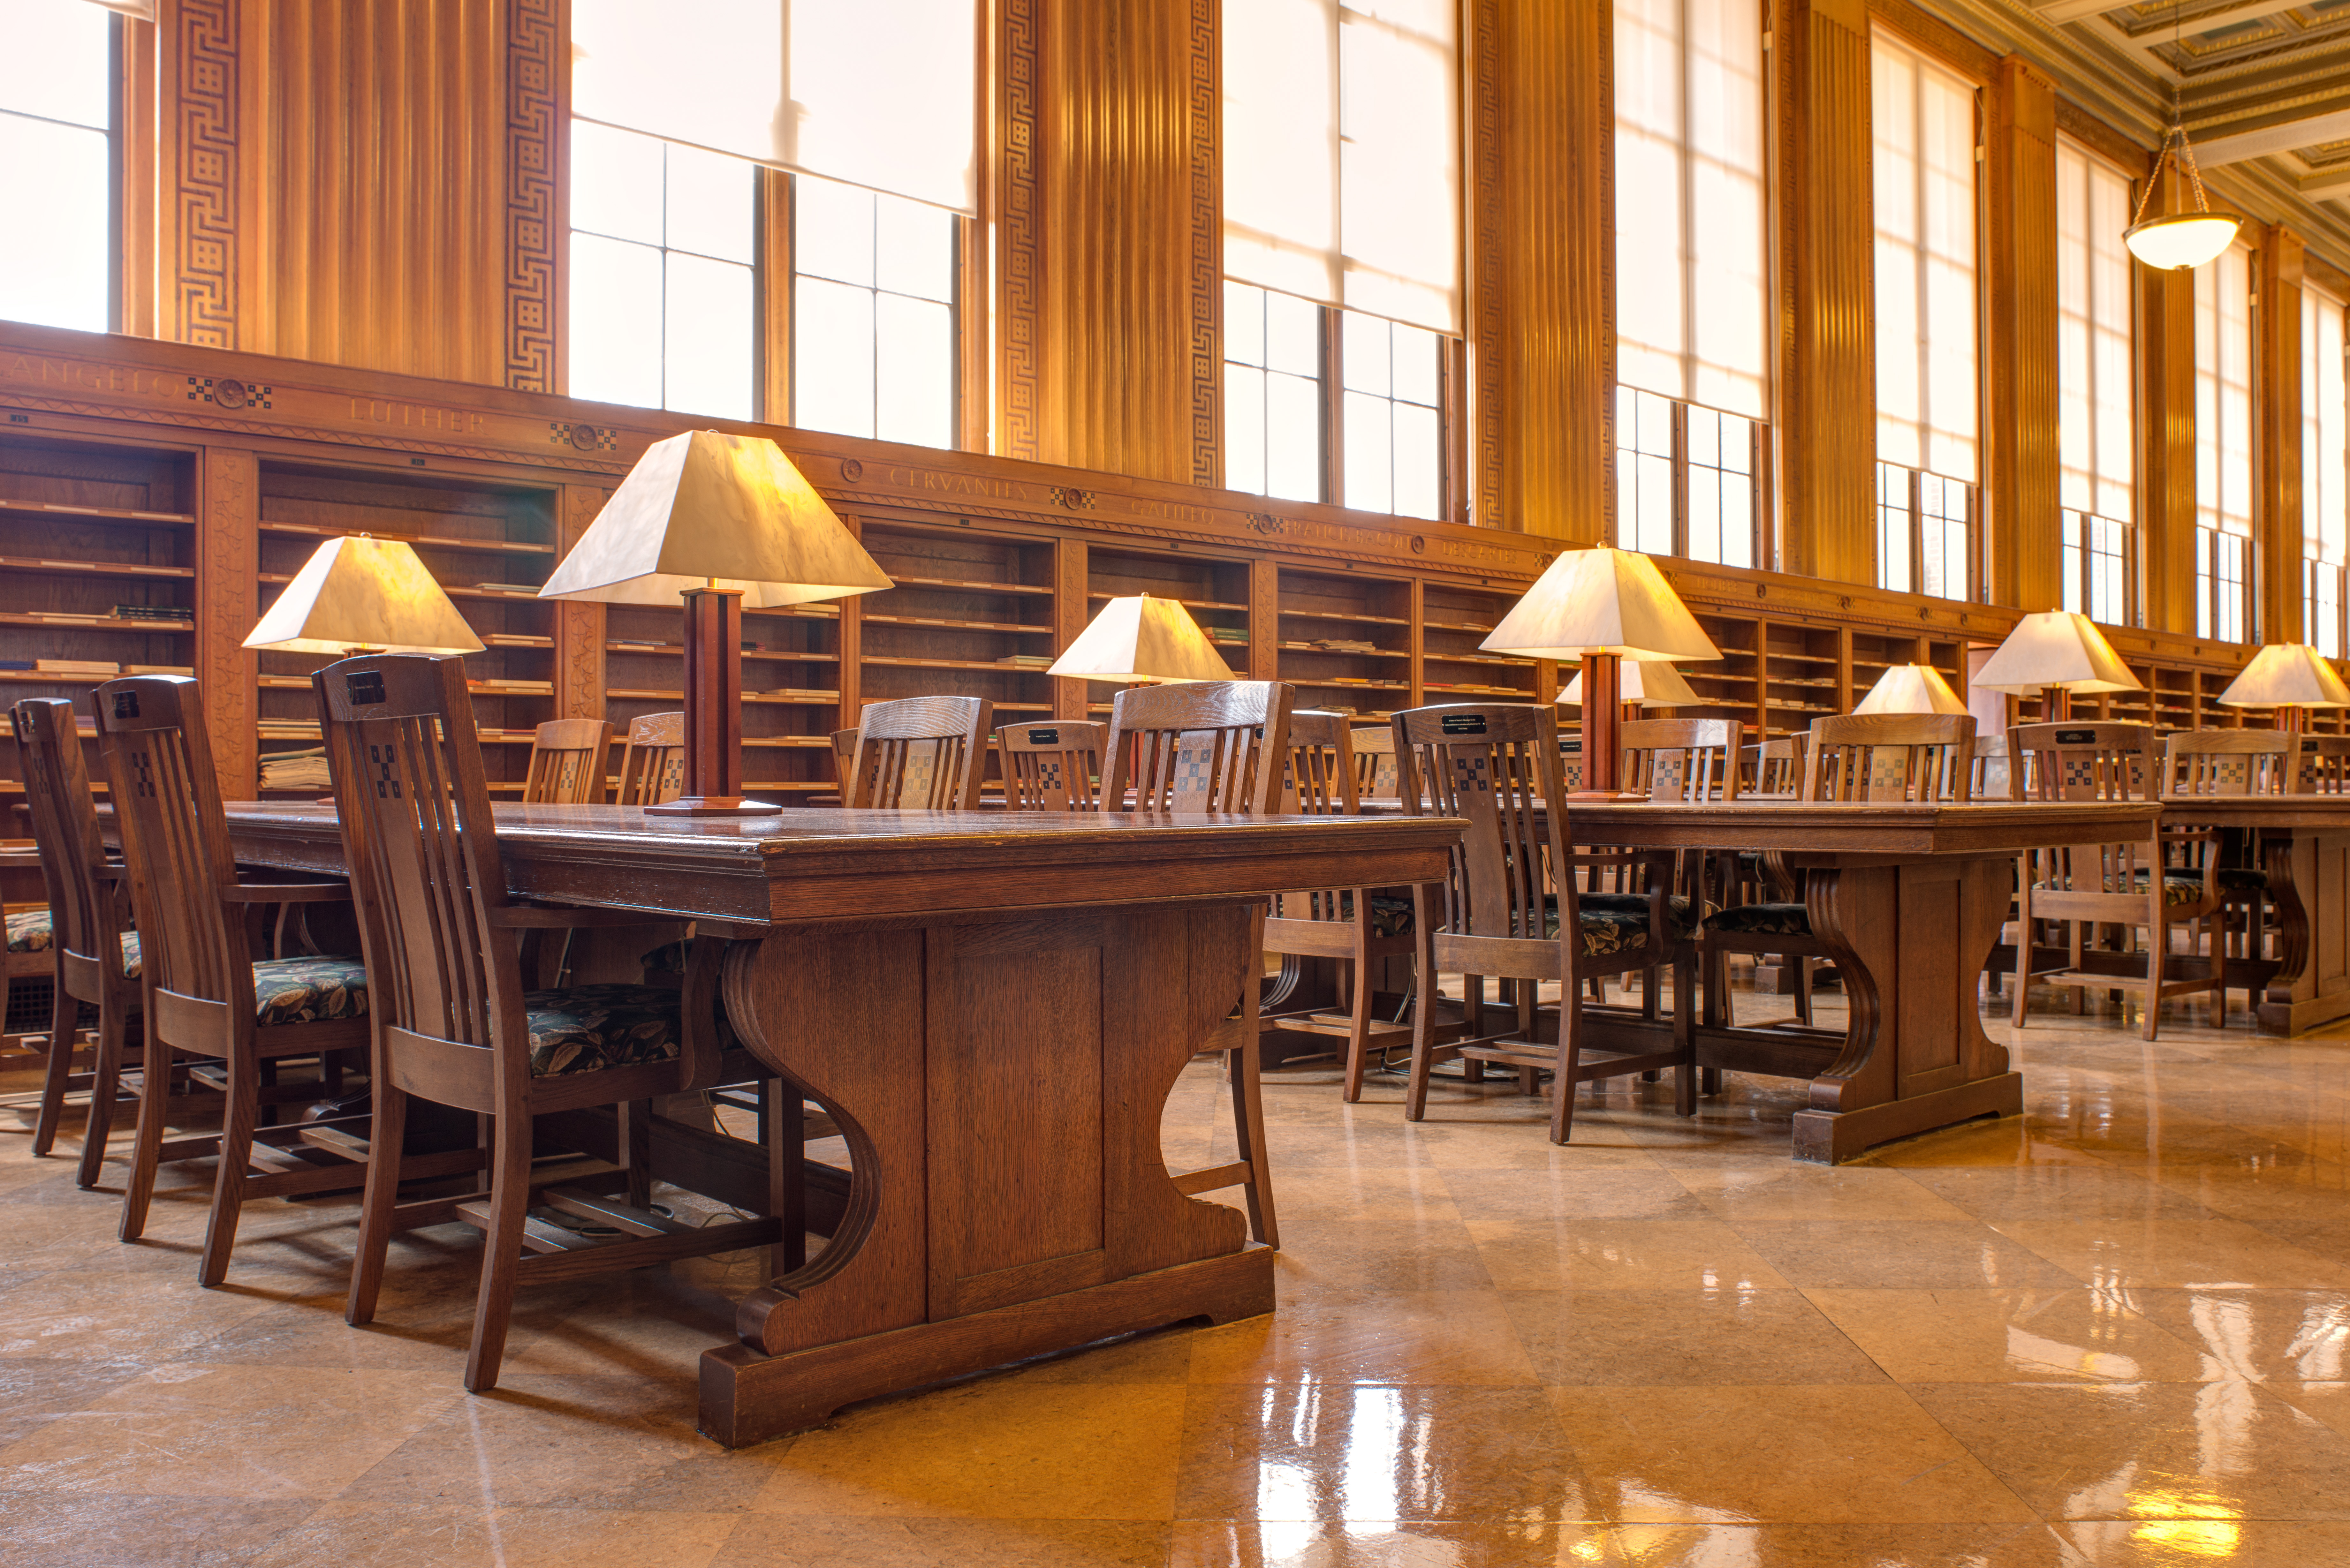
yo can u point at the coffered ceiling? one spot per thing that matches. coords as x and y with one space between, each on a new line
2263 85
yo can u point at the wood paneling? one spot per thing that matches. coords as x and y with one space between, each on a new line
537 201
201 174
2020 450
579 624
1827 367
228 554
2276 434
2166 432
1541 227
1106 309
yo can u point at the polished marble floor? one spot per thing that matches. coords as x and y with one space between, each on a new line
2111 1332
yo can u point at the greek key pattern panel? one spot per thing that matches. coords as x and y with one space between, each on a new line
204 123
228 557
1488 321
533 129
1207 250
1016 320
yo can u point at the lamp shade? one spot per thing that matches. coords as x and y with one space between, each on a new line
704 509
1601 600
359 592
1910 688
1143 638
2056 648
2287 675
2183 241
1651 685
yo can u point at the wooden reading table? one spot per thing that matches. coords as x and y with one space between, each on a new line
993 1007
2304 842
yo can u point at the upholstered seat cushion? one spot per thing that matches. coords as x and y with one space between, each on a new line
30 932
1761 920
2186 889
2240 879
312 989
1616 922
1679 920
1390 915
590 1027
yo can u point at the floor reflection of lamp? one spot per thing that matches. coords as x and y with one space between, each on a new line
712 521
2292 678
1601 606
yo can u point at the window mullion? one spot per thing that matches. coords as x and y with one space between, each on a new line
1334 433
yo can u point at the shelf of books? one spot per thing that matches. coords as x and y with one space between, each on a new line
1454 620
489 545
1214 589
97 573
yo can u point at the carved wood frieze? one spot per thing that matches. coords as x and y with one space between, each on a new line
228 556
204 160
534 229
1018 245
1206 203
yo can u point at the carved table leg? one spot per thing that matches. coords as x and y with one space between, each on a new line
2309 880
1910 940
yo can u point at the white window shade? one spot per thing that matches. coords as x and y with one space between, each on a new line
1342 154
1927 416
2097 468
2223 393
1692 292
878 93
2324 431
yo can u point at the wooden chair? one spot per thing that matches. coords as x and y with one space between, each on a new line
1351 925
1852 760
1212 746
1776 768
567 762
2325 766
1053 765
204 993
653 763
2157 883
1673 761
2233 762
85 933
1375 765
1511 906
921 753
452 1022
1994 777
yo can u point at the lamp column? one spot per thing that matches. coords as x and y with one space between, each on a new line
713 707
1603 680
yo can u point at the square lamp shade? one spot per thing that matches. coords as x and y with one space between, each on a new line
1144 640
1910 688
2059 651
1601 606
360 593
2290 677
709 520
1647 684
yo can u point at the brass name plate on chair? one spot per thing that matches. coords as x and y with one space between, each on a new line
1463 723
1043 737
2076 737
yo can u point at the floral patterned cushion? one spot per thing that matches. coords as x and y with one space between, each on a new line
1679 920
2231 879
134 965
1761 920
30 931
666 959
590 1027
1390 915
309 989
1615 922
2176 889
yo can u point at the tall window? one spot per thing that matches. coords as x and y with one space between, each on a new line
822 294
1692 295
1927 413
2223 446
1341 165
2098 466
2325 471
57 163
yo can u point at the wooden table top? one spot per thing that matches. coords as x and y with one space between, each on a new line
829 864
2273 811
1811 827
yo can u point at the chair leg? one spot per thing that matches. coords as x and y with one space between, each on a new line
387 1130
501 1251
1570 1058
1248 1132
1803 987
1685 1035
147 1143
238 1119
1423 1029
636 1150
106 1083
1358 1029
2157 945
64 1015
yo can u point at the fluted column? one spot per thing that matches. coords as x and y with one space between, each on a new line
2166 429
2021 456
2276 437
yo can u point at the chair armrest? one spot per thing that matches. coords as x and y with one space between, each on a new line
286 893
529 917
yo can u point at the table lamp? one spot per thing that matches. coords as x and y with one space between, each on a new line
1601 606
360 595
1141 639
2057 653
1644 684
1910 688
713 520
2292 678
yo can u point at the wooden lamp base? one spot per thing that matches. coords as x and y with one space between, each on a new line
1603 676
713 711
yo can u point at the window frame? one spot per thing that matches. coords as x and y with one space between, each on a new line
126 221
1916 513
1758 435
2209 624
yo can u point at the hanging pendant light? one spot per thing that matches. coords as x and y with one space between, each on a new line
2178 241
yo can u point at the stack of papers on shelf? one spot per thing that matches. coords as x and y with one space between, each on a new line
158 669
530 588
1344 645
513 640
171 613
1027 661
804 695
295 770
532 688
76 667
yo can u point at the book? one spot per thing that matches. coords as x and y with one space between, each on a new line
76 667
158 669
173 613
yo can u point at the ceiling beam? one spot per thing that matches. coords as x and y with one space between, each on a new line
2073 10
2334 125
2326 185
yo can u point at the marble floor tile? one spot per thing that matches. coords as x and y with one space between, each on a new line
1560 1254
1656 1338
445 1535
2198 1542
1449 1338
780 1541
2261 1335
1847 1546
2192 1254
2016 1336
95 1530
1392 1543
1882 1254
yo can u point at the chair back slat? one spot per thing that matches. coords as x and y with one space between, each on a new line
1375 763
2082 762
167 807
1678 760
1051 764
1203 746
1321 779
1995 778
65 827
1875 758
2229 762
1496 766
421 847
2324 764
1774 768
567 762
653 763
921 753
